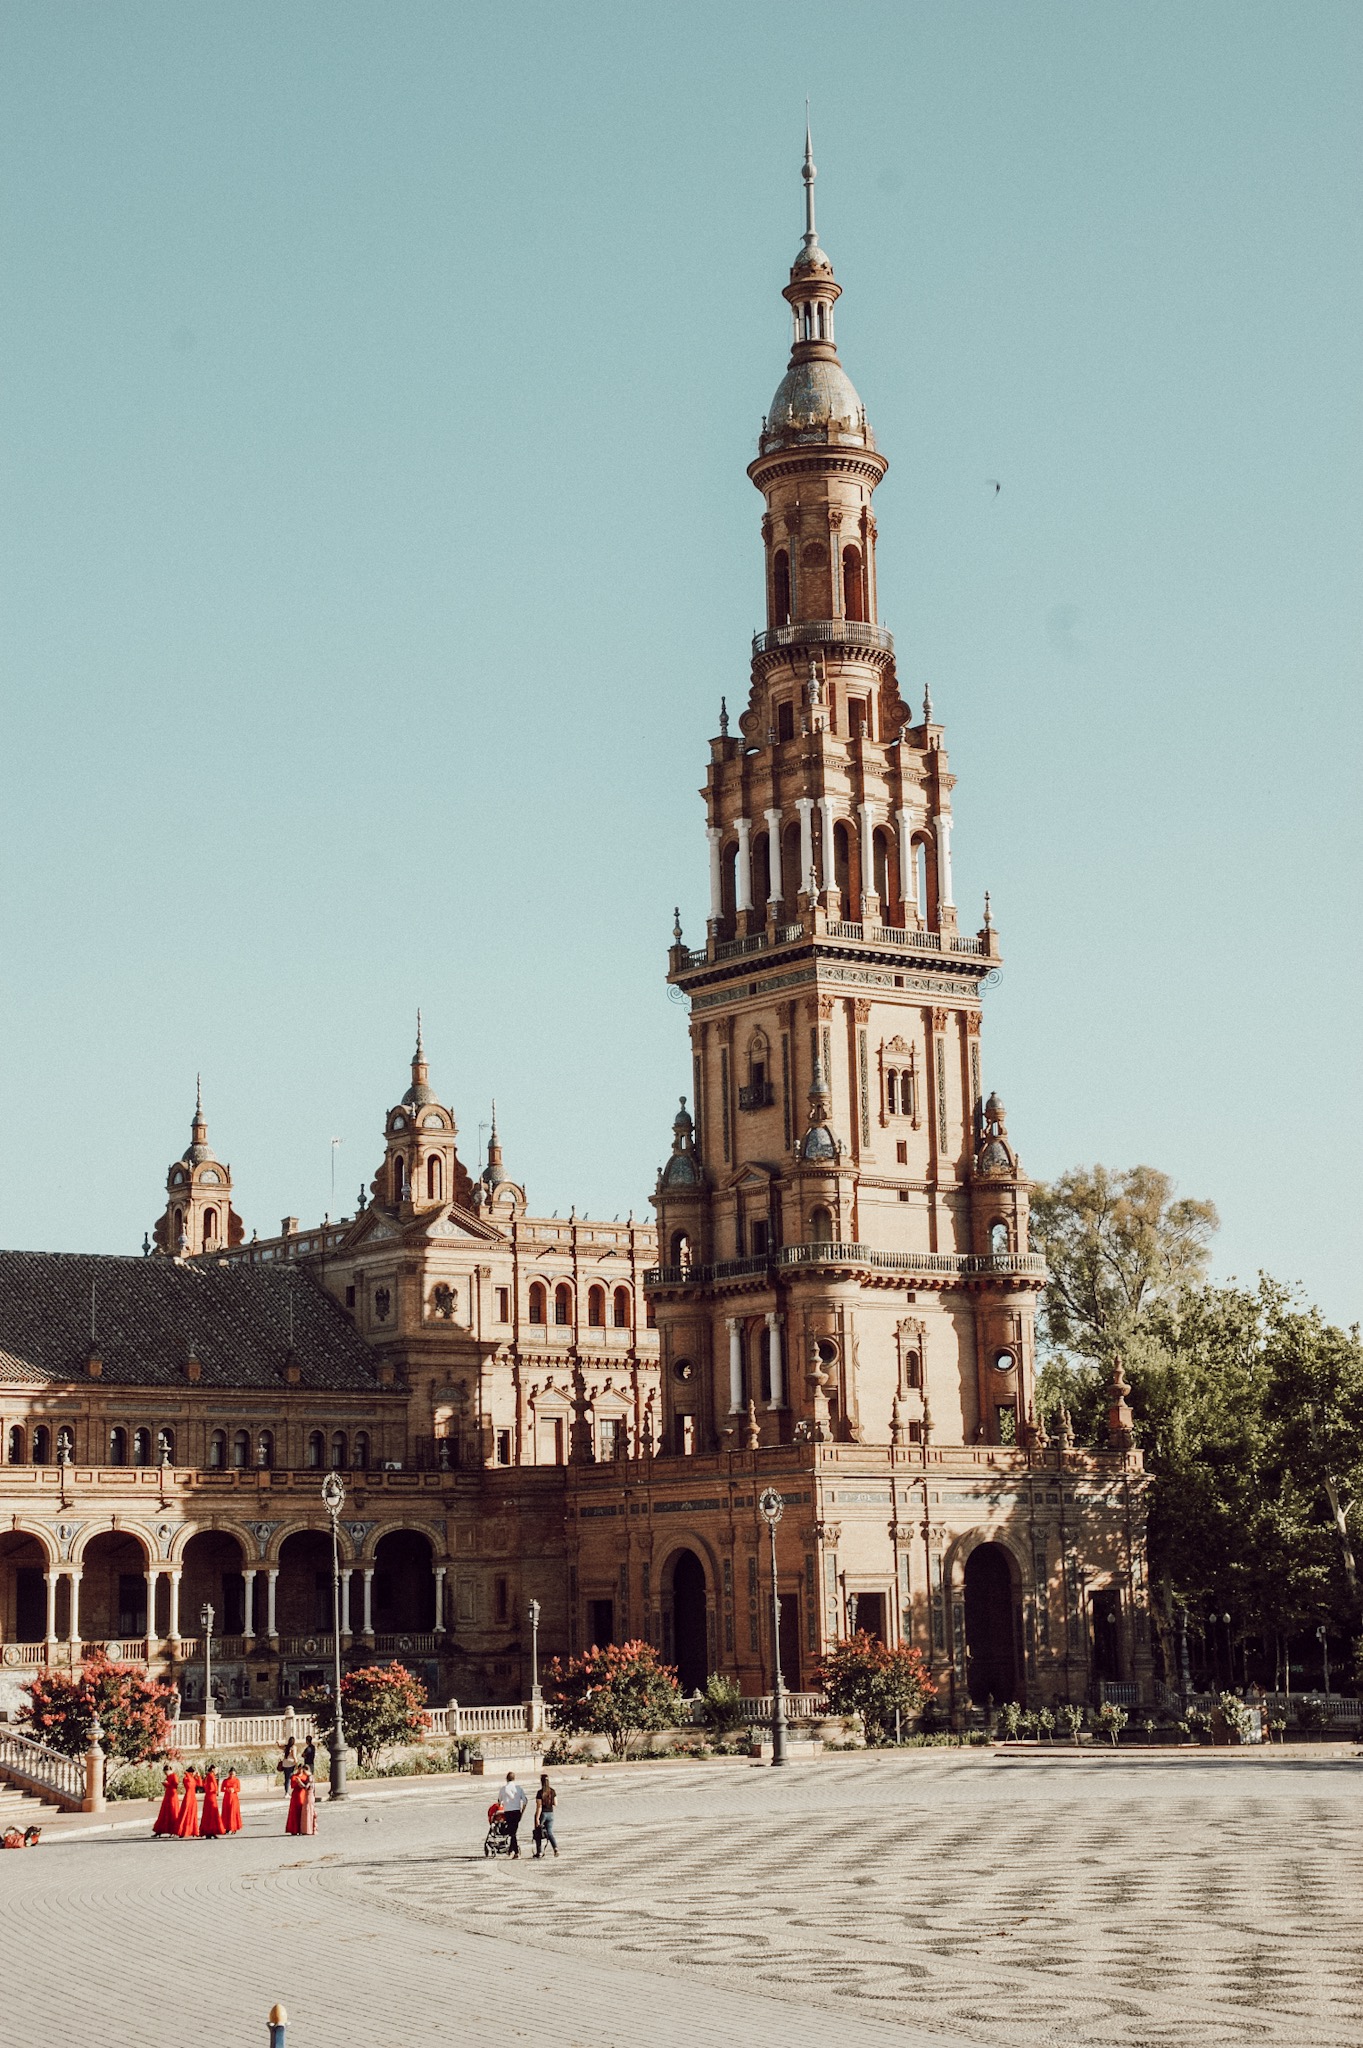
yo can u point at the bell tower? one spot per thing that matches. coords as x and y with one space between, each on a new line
842 1224
198 1216
421 1168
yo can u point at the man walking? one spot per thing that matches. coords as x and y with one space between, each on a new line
513 1800
546 1799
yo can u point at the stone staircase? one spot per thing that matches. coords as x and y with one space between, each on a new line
23 1809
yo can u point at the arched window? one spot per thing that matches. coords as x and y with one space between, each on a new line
265 1450
435 1178
920 875
42 1445
316 1450
681 1249
821 1226
359 1452
728 883
210 1226
792 881
1000 1243
399 1171
853 584
141 1447
536 1302
16 1450
217 1450
842 861
563 1303
780 588
177 1229
596 1307
66 1444
892 1091
241 1451
338 1451
761 871
118 1446
764 1364
165 1446
883 868
621 1308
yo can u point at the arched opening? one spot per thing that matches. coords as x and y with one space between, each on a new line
435 1178
304 1594
853 584
780 588
843 872
998 1240
596 1308
265 1451
563 1304
42 1444
883 871
217 1450
404 1583
621 1308
792 881
142 1446
338 1450
728 884
177 1229
241 1450
316 1450
537 1302
991 1626
16 1446
785 720
359 1451
118 1446
761 871
113 1588
821 1225
690 1652
210 1226
764 1364
681 1250
920 871
23 1589
399 1177
213 1573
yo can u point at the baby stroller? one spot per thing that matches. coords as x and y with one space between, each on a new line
498 1839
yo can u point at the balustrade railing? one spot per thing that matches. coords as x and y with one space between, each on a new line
36 1767
824 632
845 1254
837 928
423 1642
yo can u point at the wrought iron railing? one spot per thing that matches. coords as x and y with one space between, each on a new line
824 632
844 1254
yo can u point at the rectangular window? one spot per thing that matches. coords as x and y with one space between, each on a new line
504 1304
503 1446
611 1429
785 721
901 1151
499 1594
856 713
350 1297
684 1429
904 1194
757 1237
1006 1419
601 1622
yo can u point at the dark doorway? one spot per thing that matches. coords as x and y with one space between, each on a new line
601 1623
30 1604
1107 1634
688 1621
404 1584
870 1612
790 1640
990 1630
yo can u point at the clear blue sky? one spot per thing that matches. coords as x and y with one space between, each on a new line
379 384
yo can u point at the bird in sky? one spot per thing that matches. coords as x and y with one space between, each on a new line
997 486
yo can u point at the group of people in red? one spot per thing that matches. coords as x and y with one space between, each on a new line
180 1815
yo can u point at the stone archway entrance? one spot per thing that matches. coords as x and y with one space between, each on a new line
991 1627
690 1649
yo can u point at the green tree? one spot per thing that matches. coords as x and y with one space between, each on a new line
381 1705
620 1692
133 1711
866 1677
722 1703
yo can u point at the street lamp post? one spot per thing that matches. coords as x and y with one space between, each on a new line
1323 1638
206 1624
333 1499
772 1507
536 1710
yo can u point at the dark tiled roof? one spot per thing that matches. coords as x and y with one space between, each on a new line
239 1321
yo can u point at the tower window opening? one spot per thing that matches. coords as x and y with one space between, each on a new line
265 1451
118 1446
15 1447
856 718
920 870
999 1240
883 866
217 1450
821 1226
177 1229
843 876
399 1178
761 872
853 584
729 884
434 1179
785 720
621 1308
338 1451
210 1226
596 1308
537 1301
780 588
241 1451
42 1445
563 1303
764 1365
681 1249
142 1446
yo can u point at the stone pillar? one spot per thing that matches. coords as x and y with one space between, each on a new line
153 1576
908 870
440 1599
271 1588
173 1618
73 1626
345 1600
773 819
805 806
827 869
249 1576
866 825
778 1377
735 1366
945 898
51 1575
369 1600
743 870
714 835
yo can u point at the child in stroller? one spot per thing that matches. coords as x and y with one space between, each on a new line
498 1838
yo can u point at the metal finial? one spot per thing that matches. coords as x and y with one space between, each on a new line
676 925
418 1031
927 704
809 174
724 718
198 1096
988 920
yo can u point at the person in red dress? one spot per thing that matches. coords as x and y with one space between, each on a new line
211 1821
231 1804
302 1818
187 1826
166 1819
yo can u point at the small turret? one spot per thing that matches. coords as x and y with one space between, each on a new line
198 1215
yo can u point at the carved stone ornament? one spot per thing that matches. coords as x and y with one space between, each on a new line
941 1020
897 1044
972 1023
826 1006
863 1009
829 1533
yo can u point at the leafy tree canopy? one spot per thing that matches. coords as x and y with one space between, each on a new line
133 1711
620 1692
381 1705
863 1676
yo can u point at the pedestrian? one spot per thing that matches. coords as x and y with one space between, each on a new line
302 1817
210 1826
310 1755
187 1823
546 1799
231 1804
288 1763
168 1817
512 1801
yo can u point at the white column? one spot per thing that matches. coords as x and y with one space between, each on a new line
369 1600
866 820
774 856
440 1599
271 1590
805 806
908 870
153 1574
714 835
173 1618
73 1580
735 1366
345 1600
51 1576
945 898
778 1377
743 872
249 1575
826 865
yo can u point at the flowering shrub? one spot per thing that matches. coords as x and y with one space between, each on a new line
1072 1720
1111 1719
866 1677
723 1704
133 1711
620 1692
380 1705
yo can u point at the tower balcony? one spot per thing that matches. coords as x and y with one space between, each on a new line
855 633
836 932
940 1269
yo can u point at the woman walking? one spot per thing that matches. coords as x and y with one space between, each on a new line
187 1825
302 1818
288 1763
231 1804
167 1819
211 1825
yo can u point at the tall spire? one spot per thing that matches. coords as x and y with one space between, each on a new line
421 1072
809 174
494 1173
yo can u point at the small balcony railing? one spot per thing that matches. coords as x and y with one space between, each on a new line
957 1264
822 633
757 1095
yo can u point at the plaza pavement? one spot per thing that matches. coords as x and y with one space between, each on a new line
930 1899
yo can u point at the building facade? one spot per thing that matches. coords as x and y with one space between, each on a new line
836 1300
